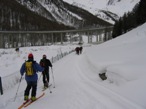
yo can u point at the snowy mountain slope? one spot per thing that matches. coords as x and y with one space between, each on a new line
57 11
37 7
98 7
60 13
52 10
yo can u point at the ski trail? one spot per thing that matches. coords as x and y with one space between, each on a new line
76 89
83 82
103 95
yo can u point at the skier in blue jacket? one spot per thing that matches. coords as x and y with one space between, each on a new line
30 68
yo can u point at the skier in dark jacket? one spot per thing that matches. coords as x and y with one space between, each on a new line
45 63
81 49
77 49
30 68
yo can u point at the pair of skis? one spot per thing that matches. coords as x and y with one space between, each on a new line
47 88
29 101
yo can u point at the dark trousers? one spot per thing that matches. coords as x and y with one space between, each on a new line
31 85
45 77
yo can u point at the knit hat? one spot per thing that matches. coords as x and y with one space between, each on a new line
30 56
44 56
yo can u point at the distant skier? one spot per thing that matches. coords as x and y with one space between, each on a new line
17 49
30 68
77 49
45 63
81 49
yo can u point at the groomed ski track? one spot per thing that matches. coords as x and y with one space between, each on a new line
77 86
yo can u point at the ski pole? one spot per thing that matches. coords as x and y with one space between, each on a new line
18 88
53 77
49 89
39 78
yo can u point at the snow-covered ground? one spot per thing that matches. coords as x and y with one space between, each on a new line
77 84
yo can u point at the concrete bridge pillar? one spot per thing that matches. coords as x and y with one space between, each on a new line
110 35
52 38
61 34
100 37
89 38
80 37
1 41
97 37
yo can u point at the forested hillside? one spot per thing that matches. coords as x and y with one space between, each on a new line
14 16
